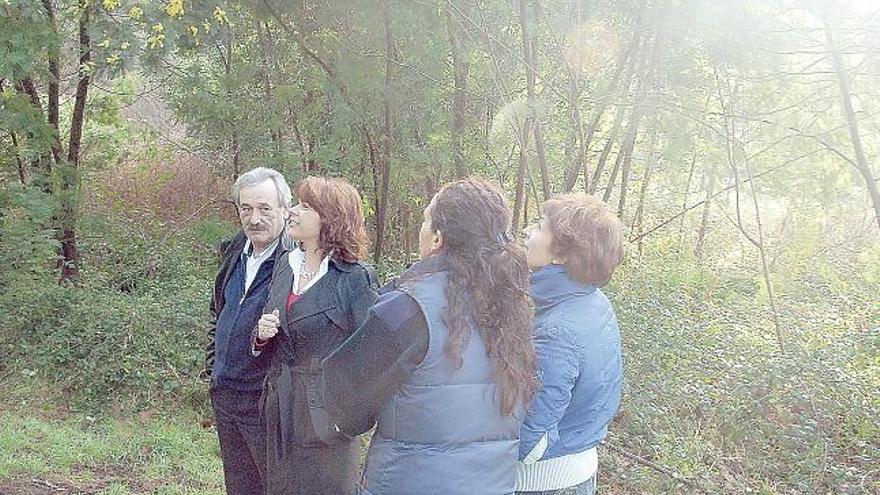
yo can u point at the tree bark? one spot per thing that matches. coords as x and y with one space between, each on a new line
704 219
646 75
861 161
390 59
639 225
606 150
586 138
460 71
70 178
687 190
519 196
635 58
530 88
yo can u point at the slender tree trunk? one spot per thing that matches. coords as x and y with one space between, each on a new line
43 166
519 194
267 47
780 337
704 219
639 224
405 216
684 199
635 59
646 75
459 94
606 150
19 163
861 161
390 58
233 132
54 82
530 88
374 168
586 138
22 170
758 242
613 178
70 177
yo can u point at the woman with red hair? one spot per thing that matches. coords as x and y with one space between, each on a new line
319 296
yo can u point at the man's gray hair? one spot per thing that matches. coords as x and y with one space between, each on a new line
257 176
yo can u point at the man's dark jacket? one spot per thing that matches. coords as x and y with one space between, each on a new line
230 253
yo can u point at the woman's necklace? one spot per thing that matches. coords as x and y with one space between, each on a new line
306 274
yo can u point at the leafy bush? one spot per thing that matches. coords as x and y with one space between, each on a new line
709 394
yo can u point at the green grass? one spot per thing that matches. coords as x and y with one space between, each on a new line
120 456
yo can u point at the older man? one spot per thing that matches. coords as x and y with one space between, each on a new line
240 291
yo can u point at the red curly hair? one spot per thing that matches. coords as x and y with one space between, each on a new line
342 219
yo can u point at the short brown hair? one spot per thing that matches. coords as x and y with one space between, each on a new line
342 219
587 235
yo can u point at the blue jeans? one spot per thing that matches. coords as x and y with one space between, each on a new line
586 488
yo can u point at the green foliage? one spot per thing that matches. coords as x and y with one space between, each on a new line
132 334
27 243
709 395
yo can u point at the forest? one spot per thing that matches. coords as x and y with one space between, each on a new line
737 140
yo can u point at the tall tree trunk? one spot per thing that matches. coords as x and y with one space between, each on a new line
610 188
519 193
459 94
727 111
233 132
780 337
638 223
54 82
530 88
373 154
390 58
646 75
636 58
861 162
606 150
585 138
22 169
709 185
267 47
43 166
19 163
406 219
70 177
684 199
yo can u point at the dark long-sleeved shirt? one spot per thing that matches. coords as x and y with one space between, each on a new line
361 375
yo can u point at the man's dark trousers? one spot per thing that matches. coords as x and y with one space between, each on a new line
242 440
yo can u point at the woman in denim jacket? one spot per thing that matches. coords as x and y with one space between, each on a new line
572 251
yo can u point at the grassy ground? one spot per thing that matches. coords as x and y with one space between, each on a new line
80 454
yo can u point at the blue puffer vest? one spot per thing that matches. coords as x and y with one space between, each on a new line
443 432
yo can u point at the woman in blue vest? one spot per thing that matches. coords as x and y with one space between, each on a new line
572 251
320 294
444 364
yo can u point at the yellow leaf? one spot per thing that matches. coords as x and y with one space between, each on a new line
174 8
136 13
156 41
111 4
220 15
194 30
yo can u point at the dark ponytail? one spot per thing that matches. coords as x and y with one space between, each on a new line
487 285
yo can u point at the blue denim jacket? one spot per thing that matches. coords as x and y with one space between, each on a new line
579 357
